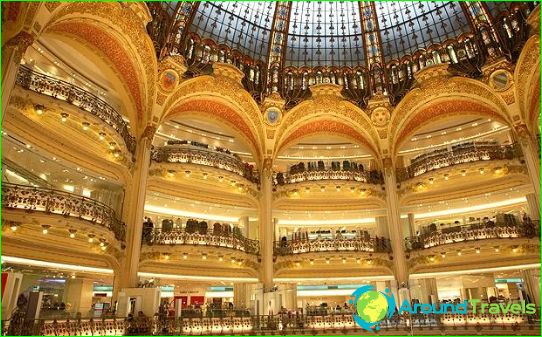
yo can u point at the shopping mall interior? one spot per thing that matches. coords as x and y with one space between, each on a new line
241 168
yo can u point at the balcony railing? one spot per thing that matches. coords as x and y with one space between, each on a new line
368 177
371 245
472 233
458 154
296 324
180 237
33 199
50 86
203 156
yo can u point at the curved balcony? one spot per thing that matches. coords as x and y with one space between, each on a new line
192 154
368 177
50 201
358 244
84 100
176 236
458 154
472 233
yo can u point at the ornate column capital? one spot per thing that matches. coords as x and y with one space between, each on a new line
522 133
267 167
149 132
19 43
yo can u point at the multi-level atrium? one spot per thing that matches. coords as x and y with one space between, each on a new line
242 167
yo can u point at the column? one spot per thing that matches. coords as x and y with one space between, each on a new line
240 295
429 293
134 209
531 282
266 225
394 225
289 293
276 229
243 223
530 154
78 293
382 227
533 206
411 225
12 54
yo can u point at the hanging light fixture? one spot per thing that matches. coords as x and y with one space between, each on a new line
72 232
39 109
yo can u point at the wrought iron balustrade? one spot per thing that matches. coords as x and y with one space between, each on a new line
62 90
368 177
50 201
177 236
459 154
202 156
272 324
358 244
472 233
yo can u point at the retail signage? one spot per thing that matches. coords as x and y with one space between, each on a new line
373 307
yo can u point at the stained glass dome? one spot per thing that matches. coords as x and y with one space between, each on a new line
369 48
320 33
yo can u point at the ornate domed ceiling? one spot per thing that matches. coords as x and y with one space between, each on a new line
322 33
369 48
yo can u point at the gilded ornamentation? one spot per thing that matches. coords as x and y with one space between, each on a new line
329 104
131 25
168 80
51 6
220 111
233 93
448 87
528 88
31 13
326 126
10 11
112 50
160 98
20 43
37 26
447 108
267 167
380 116
176 62
149 132
270 133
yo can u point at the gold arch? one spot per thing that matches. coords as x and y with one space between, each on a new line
443 98
325 126
216 109
527 83
118 31
332 109
223 99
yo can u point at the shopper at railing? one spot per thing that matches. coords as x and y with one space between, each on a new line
322 241
184 151
319 171
458 154
197 232
432 236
